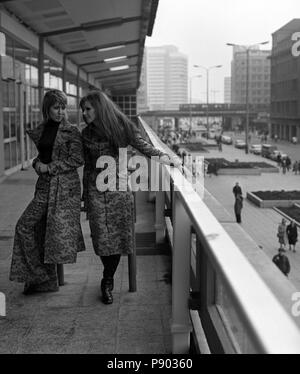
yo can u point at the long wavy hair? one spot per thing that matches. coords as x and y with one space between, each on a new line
110 120
51 98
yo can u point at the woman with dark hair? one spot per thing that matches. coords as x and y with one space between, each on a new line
110 211
49 232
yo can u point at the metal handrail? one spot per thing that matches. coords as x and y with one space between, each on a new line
270 327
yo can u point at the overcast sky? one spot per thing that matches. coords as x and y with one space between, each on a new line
201 29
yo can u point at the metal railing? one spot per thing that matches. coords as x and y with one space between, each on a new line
236 310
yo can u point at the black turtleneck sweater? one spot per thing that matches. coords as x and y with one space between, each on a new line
46 142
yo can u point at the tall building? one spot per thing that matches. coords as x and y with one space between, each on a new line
227 90
167 78
285 83
259 76
142 99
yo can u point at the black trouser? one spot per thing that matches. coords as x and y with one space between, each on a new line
110 264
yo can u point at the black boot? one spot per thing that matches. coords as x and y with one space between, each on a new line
107 285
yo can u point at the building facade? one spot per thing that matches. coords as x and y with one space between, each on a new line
285 83
166 78
227 90
142 98
259 76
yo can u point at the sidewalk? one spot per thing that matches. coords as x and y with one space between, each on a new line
74 320
260 224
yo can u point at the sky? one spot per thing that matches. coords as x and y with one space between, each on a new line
201 28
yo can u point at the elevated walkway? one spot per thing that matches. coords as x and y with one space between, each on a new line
74 320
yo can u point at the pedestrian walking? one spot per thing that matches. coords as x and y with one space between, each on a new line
237 189
110 207
283 165
49 231
282 262
279 160
295 167
281 234
210 169
292 235
299 166
288 163
238 205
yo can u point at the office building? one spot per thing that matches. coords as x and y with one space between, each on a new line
167 78
285 83
227 90
259 76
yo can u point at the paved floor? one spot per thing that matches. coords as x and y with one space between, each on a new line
260 224
74 320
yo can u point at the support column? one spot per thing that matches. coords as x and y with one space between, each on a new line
77 94
41 82
1 126
64 73
21 117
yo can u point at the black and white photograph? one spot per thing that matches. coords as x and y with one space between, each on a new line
149 180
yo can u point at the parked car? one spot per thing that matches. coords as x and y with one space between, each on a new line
267 149
240 144
226 139
274 154
255 149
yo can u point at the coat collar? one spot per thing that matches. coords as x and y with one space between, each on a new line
36 133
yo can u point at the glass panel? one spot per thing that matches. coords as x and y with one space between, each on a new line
233 324
12 125
6 156
14 158
6 125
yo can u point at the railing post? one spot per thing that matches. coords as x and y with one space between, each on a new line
132 259
160 225
181 324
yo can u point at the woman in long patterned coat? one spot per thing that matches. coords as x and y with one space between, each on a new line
110 211
49 231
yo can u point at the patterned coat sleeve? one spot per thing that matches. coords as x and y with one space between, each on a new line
86 172
146 148
74 159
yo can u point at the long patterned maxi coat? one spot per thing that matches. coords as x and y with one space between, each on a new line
110 213
60 233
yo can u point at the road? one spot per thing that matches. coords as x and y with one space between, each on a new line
292 150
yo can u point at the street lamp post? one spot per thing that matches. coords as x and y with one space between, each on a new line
247 49
207 69
190 106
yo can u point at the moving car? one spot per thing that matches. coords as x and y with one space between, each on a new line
255 149
226 139
240 144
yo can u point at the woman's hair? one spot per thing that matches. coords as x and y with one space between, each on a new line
110 120
51 98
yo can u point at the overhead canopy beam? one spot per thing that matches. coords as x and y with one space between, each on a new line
108 70
103 62
91 26
103 46
115 75
112 77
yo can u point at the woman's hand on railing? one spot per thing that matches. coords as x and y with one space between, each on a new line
171 161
